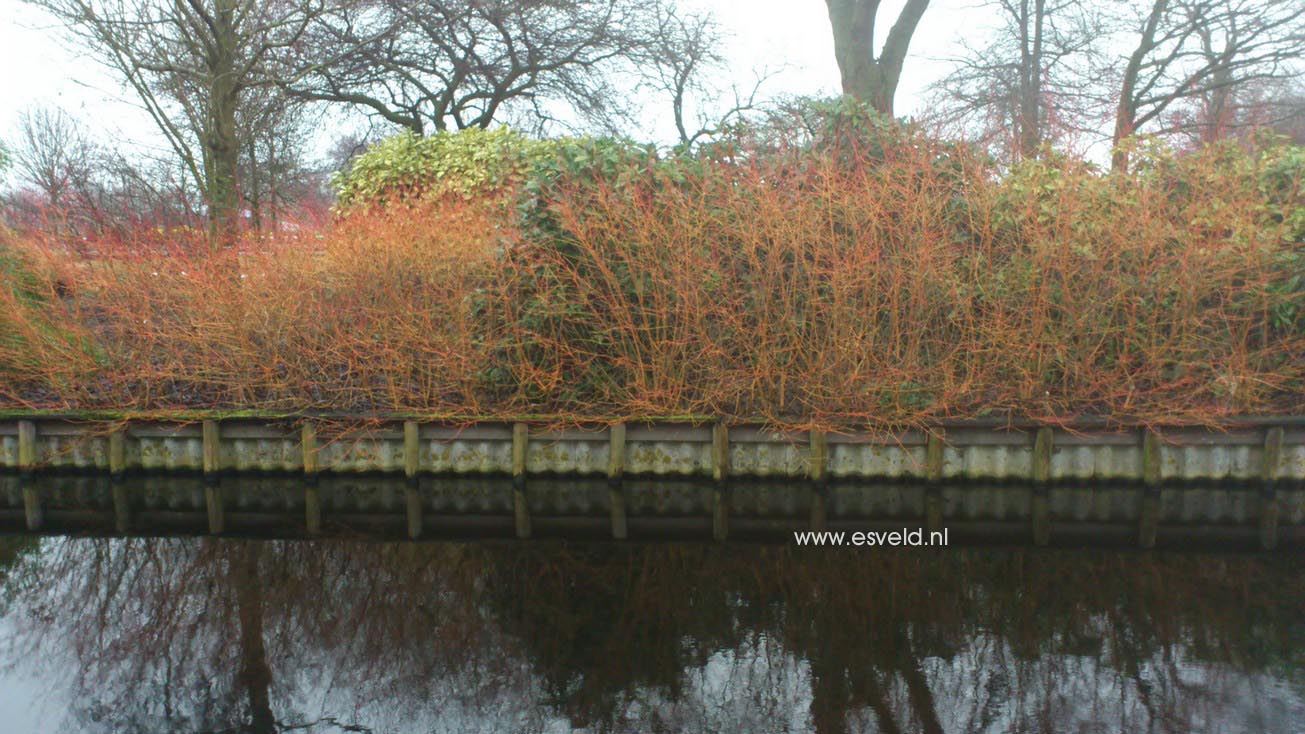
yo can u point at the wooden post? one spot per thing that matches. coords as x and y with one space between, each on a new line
615 452
1151 470
1149 511
26 447
1269 510
413 501
1039 509
32 510
615 470
720 452
121 508
216 512
818 473
520 442
1042 446
212 438
720 472
520 504
1272 454
817 468
933 471
312 509
933 456
310 450
118 453
411 451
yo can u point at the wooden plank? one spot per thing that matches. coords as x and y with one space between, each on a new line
670 432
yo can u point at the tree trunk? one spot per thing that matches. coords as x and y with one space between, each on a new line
866 76
1126 111
1123 128
1029 115
222 140
1218 108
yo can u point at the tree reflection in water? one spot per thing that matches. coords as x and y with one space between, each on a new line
207 635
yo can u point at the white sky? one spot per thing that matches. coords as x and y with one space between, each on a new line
793 35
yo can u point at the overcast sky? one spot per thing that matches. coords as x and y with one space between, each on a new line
793 35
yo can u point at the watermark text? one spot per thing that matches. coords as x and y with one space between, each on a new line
909 537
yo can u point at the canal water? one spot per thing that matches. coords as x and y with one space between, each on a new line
203 634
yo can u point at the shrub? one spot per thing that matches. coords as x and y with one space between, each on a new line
859 272
470 163
44 347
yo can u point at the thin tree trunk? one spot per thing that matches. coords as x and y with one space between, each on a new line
1126 111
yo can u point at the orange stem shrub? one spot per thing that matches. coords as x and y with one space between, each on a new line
891 283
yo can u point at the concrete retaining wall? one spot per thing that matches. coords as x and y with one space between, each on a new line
1013 481
664 450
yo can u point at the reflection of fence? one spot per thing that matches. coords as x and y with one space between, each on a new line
1248 474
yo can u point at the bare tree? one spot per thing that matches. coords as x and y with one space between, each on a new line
1191 49
681 58
192 65
1022 89
55 156
869 75
463 63
275 178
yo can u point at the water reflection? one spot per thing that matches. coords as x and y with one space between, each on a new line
208 635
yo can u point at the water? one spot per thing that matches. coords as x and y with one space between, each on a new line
212 635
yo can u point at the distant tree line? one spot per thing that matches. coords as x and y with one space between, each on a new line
238 87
